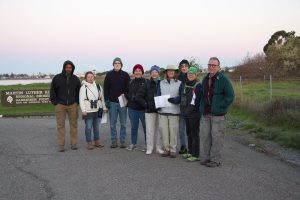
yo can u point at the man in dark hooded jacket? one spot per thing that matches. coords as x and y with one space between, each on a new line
64 94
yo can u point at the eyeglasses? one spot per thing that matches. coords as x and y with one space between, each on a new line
212 65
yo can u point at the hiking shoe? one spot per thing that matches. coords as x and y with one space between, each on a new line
61 148
183 150
74 147
186 155
193 159
204 162
122 144
165 154
89 146
172 155
213 164
98 144
131 147
114 144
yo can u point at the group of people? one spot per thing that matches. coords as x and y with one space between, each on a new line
196 110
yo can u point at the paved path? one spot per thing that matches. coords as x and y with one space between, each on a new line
32 169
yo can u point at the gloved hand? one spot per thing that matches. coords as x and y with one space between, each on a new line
171 100
107 104
174 100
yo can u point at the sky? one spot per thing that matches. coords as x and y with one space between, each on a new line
39 35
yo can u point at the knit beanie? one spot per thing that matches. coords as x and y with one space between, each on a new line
184 62
117 59
193 70
138 66
155 67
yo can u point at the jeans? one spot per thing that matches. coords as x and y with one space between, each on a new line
114 111
92 123
134 116
182 128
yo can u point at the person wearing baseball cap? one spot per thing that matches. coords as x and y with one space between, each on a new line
183 69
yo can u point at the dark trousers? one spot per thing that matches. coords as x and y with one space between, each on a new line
192 131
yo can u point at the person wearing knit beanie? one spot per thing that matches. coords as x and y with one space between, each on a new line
136 112
156 68
118 60
138 66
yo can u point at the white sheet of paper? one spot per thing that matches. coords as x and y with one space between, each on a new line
122 100
104 118
162 101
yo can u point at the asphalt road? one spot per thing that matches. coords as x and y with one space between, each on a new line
31 168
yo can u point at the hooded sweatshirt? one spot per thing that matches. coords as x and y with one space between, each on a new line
65 88
89 92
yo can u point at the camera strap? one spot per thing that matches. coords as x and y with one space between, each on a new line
98 88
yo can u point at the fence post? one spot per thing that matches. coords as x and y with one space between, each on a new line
270 87
241 88
264 79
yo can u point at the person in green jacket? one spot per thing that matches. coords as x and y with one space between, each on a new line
217 95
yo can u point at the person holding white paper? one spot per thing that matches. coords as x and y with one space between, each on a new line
169 116
115 84
136 112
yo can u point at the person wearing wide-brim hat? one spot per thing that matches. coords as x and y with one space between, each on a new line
169 116
190 95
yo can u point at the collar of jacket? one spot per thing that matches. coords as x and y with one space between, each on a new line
218 74
172 80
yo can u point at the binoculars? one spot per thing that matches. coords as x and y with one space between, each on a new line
93 103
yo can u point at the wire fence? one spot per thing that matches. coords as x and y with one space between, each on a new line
266 88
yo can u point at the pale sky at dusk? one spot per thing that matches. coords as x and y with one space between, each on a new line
39 35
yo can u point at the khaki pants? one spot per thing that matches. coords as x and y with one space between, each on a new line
212 132
61 111
168 126
151 129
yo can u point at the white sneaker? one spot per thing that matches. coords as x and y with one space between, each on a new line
159 151
148 152
131 147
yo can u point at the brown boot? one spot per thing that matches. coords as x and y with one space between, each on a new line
98 144
89 146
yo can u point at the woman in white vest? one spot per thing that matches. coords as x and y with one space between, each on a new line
91 98
169 116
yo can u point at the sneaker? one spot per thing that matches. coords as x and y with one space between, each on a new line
165 154
131 147
148 152
183 150
61 148
213 164
186 155
122 144
172 155
114 144
74 147
204 162
159 151
193 159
